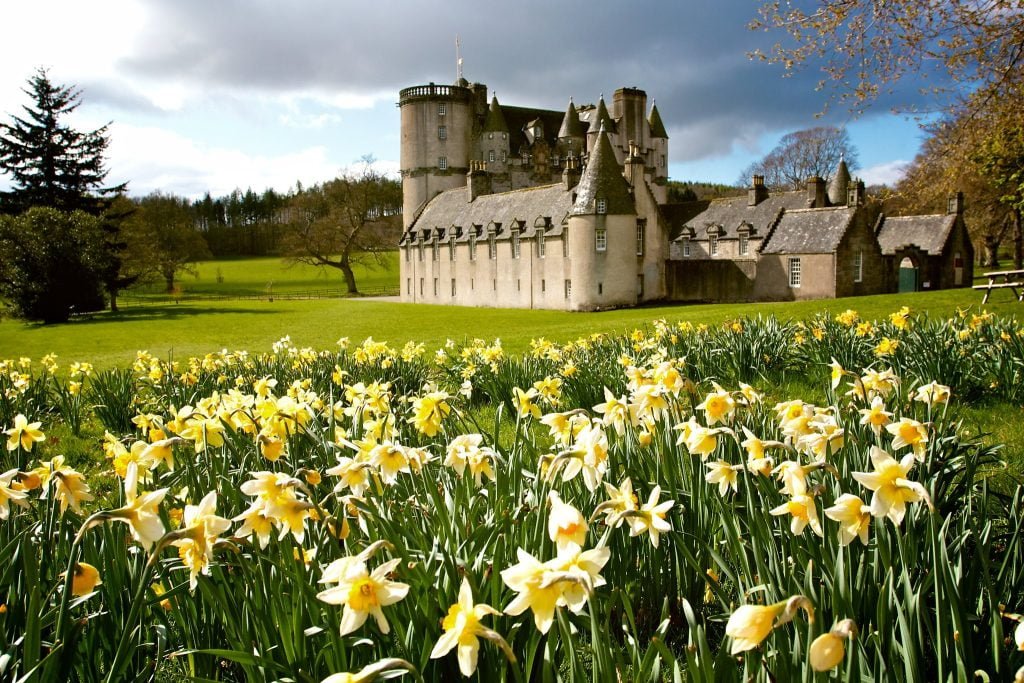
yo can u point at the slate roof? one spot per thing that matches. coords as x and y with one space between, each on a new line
657 127
603 179
495 121
809 231
452 207
731 212
840 183
572 127
928 233
517 119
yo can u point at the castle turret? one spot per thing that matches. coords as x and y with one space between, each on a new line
601 121
657 127
436 145
570 135
629 108
658 155
838 188
494 140
602 234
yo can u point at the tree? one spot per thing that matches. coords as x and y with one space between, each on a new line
50 263
868 46
51 163
353 219
165 223
802 155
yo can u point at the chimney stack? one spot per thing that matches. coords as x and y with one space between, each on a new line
571 173
955 203
478 180
855 193
815 192
758 192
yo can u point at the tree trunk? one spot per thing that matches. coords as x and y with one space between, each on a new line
1018 241
350 278
991 251
113 300
169 279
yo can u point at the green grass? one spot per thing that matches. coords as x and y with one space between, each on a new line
247 276
196 328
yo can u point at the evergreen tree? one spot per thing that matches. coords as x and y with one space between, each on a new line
51 163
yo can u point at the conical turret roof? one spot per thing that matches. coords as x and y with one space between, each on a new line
839 185
603 179
572 127
495 119
601 118
657 127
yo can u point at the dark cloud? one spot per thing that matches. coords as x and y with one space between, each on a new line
691 57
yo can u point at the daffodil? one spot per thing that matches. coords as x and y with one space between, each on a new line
749 625
717 406
360 592
803 512
892 490
142 513
255 521
370 672
429 412
462 629
201 528
932 393
565 523
828 650
85 579
24 434
876 416
527 579
67 485
650 517
724 474
620 500
854 518
909 432
525 402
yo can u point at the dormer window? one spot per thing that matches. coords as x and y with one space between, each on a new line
538 134
713 244
602 205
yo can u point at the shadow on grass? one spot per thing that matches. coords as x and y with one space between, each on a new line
155 313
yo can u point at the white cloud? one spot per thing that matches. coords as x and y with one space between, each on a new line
888 173
315 121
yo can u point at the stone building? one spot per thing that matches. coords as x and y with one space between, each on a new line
532 208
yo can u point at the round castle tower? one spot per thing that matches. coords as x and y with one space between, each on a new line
437 140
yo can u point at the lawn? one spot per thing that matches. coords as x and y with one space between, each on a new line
197 327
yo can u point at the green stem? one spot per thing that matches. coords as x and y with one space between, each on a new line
137 600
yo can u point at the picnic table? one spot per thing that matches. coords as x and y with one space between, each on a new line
1003 279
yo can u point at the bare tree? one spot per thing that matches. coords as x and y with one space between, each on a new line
352 220
801 155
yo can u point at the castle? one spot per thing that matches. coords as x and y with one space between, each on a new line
532 208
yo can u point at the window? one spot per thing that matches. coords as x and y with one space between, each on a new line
662 160
504 156
420 251
554 160
435 286
540 243
442 132
442 108
490 156
442 163
515 244
408 255
600 288
538 133
743 244
408 286
519 285
492 247
640 285
686 247
451 248
433 250
713 245
601 239
453 286
490 136
565 241
494 285
543 285
472 247
602 205
568 288
421 286
858 267
641 229
794 272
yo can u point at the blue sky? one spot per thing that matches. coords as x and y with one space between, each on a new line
213 96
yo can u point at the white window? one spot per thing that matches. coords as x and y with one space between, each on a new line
601 239
568 288
662 161
641 228
686 247
442 163
442 132
540 243
858 267
515 244
442 109
794 272
743 244
602 205
713 245
451 248
490 156
492 247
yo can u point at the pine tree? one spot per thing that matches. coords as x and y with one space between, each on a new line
51 163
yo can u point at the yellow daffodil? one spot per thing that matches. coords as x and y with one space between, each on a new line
724 474
8 494
24 434
429 412
717 406
614 411
828 650
749 625
360 592
837 373
142 513
932 393
908 432
854 518
803 512
255 521
370 672
886 347
68 486
620 500
201 528
565 523
85 579
462 629
525 403
876 416
650 517
892 490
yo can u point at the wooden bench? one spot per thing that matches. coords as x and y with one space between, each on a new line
1003 279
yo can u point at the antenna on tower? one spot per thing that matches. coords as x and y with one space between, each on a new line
458 59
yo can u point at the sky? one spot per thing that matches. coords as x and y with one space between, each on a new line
209 96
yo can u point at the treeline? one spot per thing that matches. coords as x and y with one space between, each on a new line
244 223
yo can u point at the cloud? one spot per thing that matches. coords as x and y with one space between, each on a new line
888 173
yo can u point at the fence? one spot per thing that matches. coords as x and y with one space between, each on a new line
336 293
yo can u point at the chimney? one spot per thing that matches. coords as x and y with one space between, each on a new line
633 168
955 203
855 193
815 192
758 192
478 180
571 173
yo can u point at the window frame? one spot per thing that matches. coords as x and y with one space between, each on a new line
442 108
641 235
601 239
601 206
858 266
442 132
442 163
795 270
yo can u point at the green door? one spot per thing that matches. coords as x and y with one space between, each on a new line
908 279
